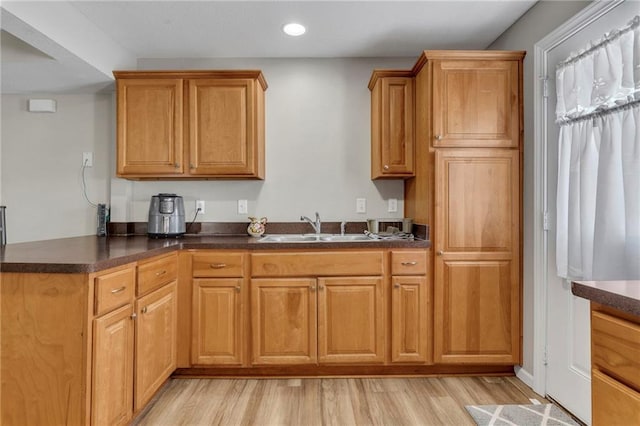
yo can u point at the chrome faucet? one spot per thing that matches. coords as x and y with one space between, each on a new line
342 226
316 225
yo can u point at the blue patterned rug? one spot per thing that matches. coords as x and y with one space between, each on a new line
519 415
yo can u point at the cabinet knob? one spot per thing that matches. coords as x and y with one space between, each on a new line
321 287
134 316
440 252
312 288
396 285
143 310
438 137
386 167
238 288
176 165
192 166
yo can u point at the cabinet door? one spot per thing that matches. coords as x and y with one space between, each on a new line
150 119
476 239
409 319
218 331
476 103
351 320
284 321
392 128
155 341
222 127
112 378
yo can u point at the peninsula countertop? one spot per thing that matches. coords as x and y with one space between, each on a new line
91 253
621 295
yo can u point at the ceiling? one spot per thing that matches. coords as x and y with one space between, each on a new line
72 46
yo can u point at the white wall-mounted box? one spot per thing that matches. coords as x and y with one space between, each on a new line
42 105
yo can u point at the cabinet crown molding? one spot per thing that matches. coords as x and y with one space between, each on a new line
193 74
485 55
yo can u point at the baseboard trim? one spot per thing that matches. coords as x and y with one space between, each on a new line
524 376
346 371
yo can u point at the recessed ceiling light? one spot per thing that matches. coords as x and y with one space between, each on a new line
294 29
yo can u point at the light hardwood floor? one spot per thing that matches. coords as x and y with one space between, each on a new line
330 401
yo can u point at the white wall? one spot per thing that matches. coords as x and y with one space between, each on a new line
317 154
540 20
41 163
317 147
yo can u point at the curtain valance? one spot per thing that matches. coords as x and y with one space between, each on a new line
602 76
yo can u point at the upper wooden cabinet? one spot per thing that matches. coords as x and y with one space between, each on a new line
475 98
392 112
475 103
190 124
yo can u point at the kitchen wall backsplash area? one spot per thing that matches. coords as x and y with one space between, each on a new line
317 148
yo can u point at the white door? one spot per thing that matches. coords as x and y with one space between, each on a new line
568 376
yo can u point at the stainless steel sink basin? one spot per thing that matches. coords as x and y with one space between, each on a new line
347 238
307 238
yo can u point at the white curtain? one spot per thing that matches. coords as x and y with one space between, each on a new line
598 199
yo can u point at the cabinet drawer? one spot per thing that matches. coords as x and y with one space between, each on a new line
114 289
612 402
615 347
218 264
409 262
156 272
297 264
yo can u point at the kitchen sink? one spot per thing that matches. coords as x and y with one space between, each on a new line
312 238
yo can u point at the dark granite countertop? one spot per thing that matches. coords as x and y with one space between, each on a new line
621 295
91 253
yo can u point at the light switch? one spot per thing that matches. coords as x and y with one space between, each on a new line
361 205
393 205
242 207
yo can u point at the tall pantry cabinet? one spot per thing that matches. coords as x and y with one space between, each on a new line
468 188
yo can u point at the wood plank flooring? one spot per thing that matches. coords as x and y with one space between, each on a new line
330 401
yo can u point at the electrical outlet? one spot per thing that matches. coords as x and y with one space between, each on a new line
242 207
393 205
361 205
87 159
200 205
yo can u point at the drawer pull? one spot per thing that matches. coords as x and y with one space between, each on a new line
218 265
412 263
161 273
119 290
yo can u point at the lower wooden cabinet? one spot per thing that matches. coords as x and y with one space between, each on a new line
218 322
112 384
615 367
409 319
351 320
324 320
477 282
155 342
283 320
